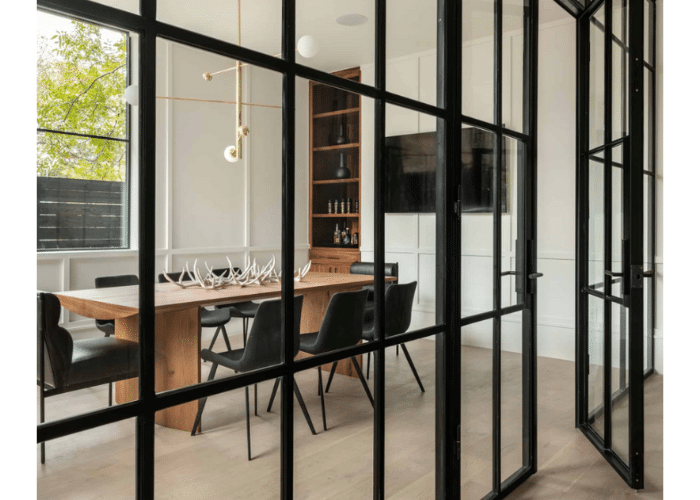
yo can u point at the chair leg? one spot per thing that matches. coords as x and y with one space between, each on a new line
247 420
223 334
297 392
216 334
369 359
330 377
256 400
397 350
41 420
203 401
323 402
413 368
109 395
245 331
272 396
362 379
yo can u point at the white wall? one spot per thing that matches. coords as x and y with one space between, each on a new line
206 207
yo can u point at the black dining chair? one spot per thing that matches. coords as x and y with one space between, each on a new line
390 269
210 318
244 310
398 308
107 325
66 365
341 327
263 349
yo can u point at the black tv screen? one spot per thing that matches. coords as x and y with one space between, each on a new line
411 165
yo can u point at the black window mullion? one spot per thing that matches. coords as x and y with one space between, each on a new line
607 217
288 145
448 251
497 246
145 422
379 250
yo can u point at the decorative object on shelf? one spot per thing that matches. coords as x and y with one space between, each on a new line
355 239
336 236
330 206
335 207
357 205
346 236
340 136
252 275
343 171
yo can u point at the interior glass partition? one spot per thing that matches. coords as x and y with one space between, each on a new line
615 305
483 161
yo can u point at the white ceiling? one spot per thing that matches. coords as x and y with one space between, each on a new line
411 24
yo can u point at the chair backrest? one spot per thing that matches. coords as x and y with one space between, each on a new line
264 346
176 276
398 309
390 269
57 343
342 323
112 281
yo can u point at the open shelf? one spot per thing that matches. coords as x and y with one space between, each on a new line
338 146
337 113
337 181
337 216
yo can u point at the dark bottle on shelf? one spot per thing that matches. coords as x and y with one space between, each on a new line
357 205
335 209
336 236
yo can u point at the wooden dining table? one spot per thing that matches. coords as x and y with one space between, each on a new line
178 330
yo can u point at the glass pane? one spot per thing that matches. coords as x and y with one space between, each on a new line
216 211
515 13
617 219
597 80
478 59
649 125
411 45
620 76
127 5
478 157
649 35
410 232
334 35
336 463
260 22
410 421
512 332
620 381
81 78
596 222
595 363
513 223
648 265
90 464
477 410
216 460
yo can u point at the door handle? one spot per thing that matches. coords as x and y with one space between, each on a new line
535 276
614 274
509 273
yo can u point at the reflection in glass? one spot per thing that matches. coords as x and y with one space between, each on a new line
512 223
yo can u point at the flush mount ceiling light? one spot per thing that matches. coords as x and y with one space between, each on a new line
351 19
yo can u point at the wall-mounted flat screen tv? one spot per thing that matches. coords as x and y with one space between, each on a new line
411 164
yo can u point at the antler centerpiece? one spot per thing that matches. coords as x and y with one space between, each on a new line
252 275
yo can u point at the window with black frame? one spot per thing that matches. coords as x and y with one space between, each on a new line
82 135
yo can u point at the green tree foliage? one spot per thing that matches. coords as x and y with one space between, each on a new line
81 78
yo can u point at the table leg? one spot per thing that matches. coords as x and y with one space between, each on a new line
312 313
178 335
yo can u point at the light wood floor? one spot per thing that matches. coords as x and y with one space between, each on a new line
338 463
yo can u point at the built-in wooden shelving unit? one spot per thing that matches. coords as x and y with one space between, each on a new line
334 130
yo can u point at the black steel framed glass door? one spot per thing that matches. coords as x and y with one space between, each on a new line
610 272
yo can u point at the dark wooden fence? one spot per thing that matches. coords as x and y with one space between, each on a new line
81 214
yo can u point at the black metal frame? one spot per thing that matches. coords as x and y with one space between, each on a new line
127 140
631 277
447 331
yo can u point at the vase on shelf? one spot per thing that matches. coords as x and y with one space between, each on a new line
343 171
340 135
